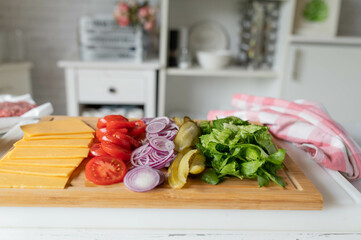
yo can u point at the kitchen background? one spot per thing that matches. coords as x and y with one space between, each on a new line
50 34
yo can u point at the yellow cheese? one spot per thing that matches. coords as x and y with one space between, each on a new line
51 162
39 171
57 127
26 153
62 136
58 143
10 180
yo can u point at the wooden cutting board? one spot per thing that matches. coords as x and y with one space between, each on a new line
299 194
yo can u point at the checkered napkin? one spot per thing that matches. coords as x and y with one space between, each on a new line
304 123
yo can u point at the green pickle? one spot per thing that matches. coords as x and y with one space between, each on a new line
188 135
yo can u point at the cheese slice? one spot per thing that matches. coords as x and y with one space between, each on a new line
45 162
58 143
62 136
39 171
57 127
37 153
11 180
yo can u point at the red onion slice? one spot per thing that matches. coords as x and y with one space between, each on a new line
158 149
161 144
155 127
141 151
146 120
142 179
161 119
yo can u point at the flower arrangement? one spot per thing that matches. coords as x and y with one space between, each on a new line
133 13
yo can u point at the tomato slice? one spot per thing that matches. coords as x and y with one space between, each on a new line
96 150
119 124
105 170
123 137
99 133
116 151
118 141
137 131
102 122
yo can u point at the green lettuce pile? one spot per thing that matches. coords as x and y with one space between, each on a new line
234 147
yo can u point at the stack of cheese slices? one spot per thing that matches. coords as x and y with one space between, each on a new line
47 155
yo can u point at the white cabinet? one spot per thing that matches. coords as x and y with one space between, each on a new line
89 83
326 73
114 86
15 78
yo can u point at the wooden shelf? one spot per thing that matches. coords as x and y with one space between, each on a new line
228 72
326 40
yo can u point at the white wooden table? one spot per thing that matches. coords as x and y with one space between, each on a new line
339 219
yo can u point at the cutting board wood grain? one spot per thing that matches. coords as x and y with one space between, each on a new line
299 194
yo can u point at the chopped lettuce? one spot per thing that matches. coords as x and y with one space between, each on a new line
234 147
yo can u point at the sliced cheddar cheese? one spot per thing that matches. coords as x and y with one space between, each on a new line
38 170
60 136
37 153
46 162
57 127
11 180
54 143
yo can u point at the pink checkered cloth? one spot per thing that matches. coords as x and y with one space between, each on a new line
304 123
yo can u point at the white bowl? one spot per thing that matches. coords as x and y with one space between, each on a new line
214 59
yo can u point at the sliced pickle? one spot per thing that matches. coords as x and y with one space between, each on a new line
184 164
198 164
188 135
173 170
180 168
179 121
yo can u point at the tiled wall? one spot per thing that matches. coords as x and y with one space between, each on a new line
50 35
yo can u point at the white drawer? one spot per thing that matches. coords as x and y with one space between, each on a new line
112 86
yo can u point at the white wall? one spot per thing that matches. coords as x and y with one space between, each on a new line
50 32
50 35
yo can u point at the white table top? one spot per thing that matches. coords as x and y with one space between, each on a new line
341 212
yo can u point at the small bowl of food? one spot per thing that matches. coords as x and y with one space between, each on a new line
214 59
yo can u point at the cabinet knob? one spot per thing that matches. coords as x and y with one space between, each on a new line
112 90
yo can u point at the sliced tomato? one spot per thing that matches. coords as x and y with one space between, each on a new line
117 151
136 131
102 122
123 130
139 123
105 170
119 124
140 137
99 133
96 150
118 141
124 137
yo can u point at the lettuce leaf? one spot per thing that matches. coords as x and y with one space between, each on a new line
234 147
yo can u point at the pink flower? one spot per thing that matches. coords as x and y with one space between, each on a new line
143 12
149 25
123 7
123 20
